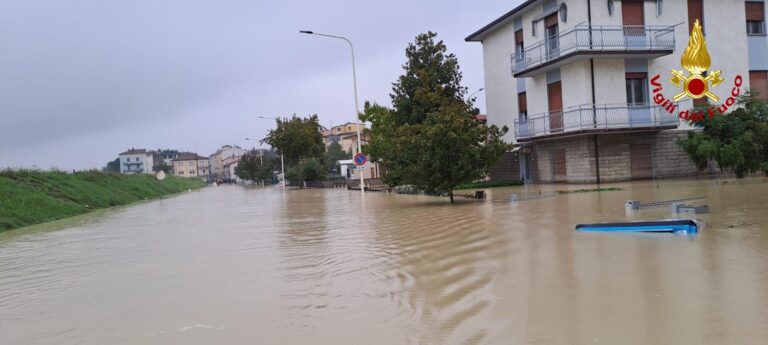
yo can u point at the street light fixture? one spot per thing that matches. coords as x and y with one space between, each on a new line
357 106
474 93
282 161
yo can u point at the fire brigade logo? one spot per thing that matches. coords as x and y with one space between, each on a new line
696 61
697 83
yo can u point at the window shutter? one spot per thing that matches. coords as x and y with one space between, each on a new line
758 80
695 11
522 103
551 20
755 11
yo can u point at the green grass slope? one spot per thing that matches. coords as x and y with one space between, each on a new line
29 197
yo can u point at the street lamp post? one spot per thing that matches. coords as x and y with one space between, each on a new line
357 106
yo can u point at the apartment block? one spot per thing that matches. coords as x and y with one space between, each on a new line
587 89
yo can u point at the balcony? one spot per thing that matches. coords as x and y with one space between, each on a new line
588 119
584 42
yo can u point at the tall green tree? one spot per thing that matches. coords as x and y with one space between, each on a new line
334 154
297 138
113 166
254 167
737 141
431 138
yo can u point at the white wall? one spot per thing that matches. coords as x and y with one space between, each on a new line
500 87
146 160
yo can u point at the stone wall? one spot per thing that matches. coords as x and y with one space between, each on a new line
668 158
508 168
579 157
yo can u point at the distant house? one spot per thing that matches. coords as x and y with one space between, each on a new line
191 165
216 160
345 135
230 164
136 161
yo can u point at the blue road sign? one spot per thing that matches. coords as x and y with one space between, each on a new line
360 159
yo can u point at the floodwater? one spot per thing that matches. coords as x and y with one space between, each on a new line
240 265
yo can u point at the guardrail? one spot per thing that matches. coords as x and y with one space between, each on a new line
595 38
594 117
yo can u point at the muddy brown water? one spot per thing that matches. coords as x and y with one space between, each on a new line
235 265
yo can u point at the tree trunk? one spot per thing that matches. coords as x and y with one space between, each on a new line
451 194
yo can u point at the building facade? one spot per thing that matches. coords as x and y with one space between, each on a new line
136 161
575 81
216 160
345 135
191 165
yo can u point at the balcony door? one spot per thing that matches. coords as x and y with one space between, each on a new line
637 99
555 99
633 19
552 36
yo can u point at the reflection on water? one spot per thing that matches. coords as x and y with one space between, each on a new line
257 265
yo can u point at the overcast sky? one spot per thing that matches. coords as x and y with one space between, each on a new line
83 80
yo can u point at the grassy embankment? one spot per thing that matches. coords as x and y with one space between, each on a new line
29 197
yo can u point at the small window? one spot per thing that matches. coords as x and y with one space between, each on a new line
755 18
637 90
128 159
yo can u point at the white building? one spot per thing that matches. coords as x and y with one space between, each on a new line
348 169
574 80
136 161
217 159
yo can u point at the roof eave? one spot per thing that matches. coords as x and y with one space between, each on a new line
478 35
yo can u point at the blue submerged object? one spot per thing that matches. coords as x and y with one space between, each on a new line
672 226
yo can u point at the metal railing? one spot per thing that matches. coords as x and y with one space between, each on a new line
595 38
594 117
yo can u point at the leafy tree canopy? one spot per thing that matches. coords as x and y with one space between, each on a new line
297 138
309 169
334 154
736 141
254 167
431 138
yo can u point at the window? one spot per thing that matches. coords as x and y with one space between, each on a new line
128 159
758 82
755 18
522 106
519 48
553 43
191 172
637 88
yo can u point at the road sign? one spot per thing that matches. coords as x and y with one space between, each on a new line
360 159
360 168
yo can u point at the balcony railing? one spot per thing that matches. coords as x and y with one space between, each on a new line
596 39
590 117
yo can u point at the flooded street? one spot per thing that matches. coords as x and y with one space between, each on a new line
237 265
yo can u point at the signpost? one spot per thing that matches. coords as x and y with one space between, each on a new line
360 159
